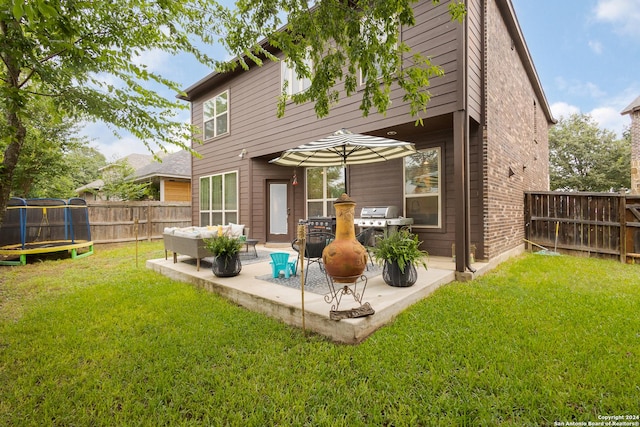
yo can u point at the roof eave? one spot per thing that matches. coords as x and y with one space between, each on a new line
161 175
211 79
509 15
633 107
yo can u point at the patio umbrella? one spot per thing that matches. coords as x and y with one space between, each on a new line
343 148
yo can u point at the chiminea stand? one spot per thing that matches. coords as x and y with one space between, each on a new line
356 289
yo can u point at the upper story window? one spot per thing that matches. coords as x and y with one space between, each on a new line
423 187
294 83
216 115
381 37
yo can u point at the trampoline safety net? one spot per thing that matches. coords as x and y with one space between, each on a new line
33 223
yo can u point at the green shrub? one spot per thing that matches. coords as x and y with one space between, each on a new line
223 246
402 247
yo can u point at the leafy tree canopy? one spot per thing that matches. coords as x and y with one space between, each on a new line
53 161
583 157
119 185
85 55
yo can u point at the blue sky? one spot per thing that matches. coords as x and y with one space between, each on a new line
586 53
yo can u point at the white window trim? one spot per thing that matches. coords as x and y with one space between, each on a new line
325 196
378 77
295 83
438 194
223 211
215 116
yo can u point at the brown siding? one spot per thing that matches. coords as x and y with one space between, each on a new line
253 95
516 139
475 60
253 124
382 184
508 129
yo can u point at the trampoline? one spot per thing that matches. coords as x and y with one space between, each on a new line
39 226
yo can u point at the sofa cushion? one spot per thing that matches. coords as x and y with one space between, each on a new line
237 230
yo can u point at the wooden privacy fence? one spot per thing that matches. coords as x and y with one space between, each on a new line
113 222
595 224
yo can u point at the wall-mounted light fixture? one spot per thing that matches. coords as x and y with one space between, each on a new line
511 172
243 153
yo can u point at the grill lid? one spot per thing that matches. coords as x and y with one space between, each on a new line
379 212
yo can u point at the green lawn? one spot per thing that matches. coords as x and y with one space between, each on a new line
99 342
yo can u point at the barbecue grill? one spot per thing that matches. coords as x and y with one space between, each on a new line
382 218
319 224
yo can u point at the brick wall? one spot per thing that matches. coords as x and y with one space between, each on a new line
635 152
516 138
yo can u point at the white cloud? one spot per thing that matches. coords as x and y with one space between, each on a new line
155 60
610 118
578 88
595 46
607 116
623 14
562 109
112 146
119 148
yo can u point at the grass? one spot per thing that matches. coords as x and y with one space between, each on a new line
97 341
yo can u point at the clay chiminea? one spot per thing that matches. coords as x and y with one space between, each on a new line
345 258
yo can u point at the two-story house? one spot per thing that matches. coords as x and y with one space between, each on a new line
484 142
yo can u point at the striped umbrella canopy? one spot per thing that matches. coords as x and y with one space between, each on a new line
343 148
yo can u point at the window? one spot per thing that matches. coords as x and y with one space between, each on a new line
295 84
219 199
423 187
216 115
324 186
381 36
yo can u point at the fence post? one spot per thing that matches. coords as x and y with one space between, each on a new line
622 217
527 217
149 225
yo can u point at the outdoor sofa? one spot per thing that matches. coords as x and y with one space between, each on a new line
190 240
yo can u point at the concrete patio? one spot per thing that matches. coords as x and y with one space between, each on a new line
285 303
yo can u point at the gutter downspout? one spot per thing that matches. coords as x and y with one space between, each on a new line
461 163
467 178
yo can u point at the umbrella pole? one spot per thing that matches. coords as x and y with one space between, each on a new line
344 167
346 183
302 243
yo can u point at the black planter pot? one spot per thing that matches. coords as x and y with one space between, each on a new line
394 277
226 266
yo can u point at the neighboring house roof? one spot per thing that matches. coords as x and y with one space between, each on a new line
634 106
137 161
508 13
175 165
94 185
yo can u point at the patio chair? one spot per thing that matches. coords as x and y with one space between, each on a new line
367 239
315 243
280 262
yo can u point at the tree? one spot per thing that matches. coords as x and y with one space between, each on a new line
583 157
53 160
119 185
84 55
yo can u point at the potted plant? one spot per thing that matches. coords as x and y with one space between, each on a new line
399 253
225 249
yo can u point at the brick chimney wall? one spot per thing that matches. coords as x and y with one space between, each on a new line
635 152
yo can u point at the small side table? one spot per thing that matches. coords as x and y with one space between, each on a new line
252 243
